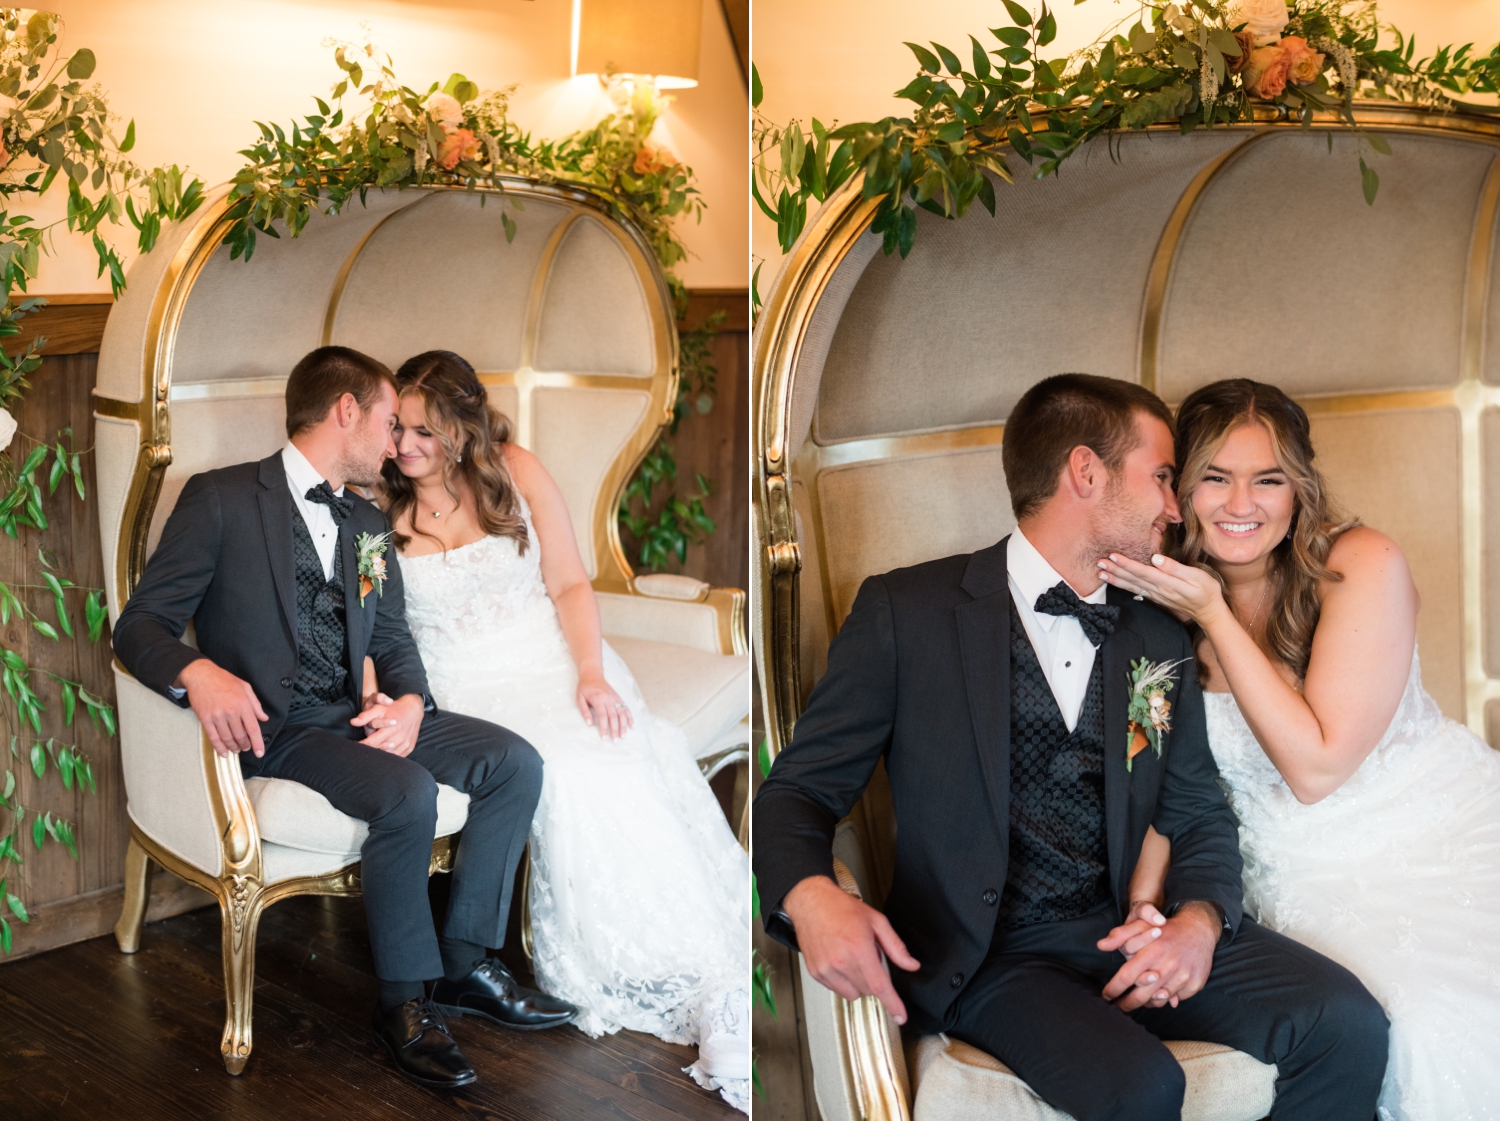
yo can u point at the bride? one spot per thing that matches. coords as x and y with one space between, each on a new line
1369 823
639 891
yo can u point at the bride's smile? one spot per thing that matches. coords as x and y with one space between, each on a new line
1243 502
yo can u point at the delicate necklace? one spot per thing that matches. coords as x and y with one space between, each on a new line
1251 626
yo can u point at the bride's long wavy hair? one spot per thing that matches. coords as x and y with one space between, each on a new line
472 433
1299 563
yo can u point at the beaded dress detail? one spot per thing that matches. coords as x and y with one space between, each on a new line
639 891
1396 876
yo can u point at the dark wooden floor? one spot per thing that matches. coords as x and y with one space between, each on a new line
89 1032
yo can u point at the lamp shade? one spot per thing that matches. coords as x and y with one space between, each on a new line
659 38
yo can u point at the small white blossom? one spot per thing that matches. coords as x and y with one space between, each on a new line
7 429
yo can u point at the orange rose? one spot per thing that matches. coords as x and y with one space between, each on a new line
649 160
1266 75
1305 64
458 144
1246 40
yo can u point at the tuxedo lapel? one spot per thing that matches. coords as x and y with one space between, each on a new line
1118 651
357 619
984 649
276 524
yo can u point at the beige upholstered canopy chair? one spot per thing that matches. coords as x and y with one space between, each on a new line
882 389
571 328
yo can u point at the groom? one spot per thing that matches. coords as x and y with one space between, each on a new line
995 686
265 560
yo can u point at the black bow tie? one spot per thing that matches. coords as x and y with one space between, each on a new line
340 508
1097 619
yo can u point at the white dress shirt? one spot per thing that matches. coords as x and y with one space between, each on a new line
1064 651
301 477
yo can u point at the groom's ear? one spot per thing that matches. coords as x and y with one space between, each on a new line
1084 474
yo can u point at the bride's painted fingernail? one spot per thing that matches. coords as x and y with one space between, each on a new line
1158 560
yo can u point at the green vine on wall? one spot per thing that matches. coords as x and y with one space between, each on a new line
1201 63
57 132
665 531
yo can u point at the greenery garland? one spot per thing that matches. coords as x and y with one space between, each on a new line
454 135
1201 63
55 131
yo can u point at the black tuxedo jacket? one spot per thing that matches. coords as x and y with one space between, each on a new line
225 563
920 676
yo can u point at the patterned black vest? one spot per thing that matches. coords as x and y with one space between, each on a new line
322 638
1059 856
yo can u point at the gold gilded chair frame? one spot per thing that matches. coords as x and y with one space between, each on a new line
240 889
864 1039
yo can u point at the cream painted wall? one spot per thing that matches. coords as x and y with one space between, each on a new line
840 60
196 74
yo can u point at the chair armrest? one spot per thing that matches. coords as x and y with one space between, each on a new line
859 1066
179 791
714 622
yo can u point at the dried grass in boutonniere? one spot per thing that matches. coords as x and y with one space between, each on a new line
371 548
1150 712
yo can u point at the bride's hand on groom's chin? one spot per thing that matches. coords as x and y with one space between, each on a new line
842 939
1185 591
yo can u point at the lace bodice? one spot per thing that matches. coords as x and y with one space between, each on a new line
1250 775
476 591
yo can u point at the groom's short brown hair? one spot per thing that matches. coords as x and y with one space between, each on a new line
1060 413
326 374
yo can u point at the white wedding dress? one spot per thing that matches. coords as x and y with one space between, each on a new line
1395 875
639 891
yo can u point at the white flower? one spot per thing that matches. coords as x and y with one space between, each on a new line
1265 19
7 429
446 110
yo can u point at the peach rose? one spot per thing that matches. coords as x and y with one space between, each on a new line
1239 62
650 159
1266 74
1305 63
458 144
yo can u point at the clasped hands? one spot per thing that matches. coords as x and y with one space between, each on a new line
231 714
1166 960
843 939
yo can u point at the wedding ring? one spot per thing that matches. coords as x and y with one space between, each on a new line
620 705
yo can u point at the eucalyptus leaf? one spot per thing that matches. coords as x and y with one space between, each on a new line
81 65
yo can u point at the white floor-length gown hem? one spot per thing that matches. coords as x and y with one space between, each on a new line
639 891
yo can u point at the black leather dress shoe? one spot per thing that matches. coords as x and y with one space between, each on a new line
490 991
418 1040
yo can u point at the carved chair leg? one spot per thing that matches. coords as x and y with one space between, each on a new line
526 902
137 893
239 915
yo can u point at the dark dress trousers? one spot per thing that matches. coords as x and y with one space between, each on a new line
228 562
921 676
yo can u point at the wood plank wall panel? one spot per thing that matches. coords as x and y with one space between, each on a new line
69 900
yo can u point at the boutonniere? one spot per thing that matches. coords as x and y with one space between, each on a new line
371 548
1150 712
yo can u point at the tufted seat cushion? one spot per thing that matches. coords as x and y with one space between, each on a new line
956 1082
298 817
704 694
